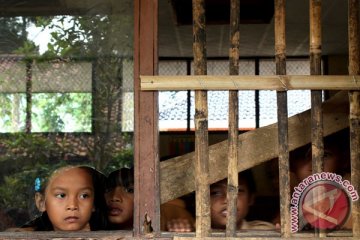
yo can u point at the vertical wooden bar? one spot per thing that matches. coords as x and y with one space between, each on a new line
317 130
28 95
147 197
201 124
284 168
316 95
232 189
354 117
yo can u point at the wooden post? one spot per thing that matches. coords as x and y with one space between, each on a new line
146 178
232 188
316 96
201 124
317 130
284 168
354 115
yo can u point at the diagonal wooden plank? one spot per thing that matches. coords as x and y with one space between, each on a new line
257 146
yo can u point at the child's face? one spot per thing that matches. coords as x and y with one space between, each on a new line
218 203
303 167
120 202
69 200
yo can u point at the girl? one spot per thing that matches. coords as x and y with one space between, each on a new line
119 197
71 200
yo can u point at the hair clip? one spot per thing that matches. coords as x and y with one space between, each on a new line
37 184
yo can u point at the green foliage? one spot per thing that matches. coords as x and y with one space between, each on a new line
124 158
59 112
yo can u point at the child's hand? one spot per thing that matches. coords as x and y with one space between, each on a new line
179 225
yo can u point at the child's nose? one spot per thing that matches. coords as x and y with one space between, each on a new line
116 195
72 204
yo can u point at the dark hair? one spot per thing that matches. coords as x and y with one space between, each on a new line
98 220
248 177
121 177
338 141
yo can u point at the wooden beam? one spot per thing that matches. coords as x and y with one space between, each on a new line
354 117
202 200
273 82
177 175
282 114
233 181
146 167
317 129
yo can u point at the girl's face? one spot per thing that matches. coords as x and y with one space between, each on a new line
120 202
69 199
218 203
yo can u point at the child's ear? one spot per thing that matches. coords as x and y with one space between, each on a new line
40 201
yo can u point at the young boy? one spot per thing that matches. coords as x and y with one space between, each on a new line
246 196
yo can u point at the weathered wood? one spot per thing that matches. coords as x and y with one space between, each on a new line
273 82
104 235
282 113
257 146
266 234
146 180
232 188
201 124
317 131
316 96
354 116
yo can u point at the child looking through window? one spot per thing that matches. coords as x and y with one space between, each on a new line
120 202
246 197
70 200
119 197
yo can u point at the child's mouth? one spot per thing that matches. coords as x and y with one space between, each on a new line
71 219
224 213
115 211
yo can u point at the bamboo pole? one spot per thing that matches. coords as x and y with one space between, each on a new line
284 167
234 53
201 124
354 116
316 96
317 131
246 82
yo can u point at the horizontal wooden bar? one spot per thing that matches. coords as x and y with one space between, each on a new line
274 82
262 234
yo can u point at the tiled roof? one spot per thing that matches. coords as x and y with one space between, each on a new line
173 108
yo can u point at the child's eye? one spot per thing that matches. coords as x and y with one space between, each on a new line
216 193
107 190
129 190
84 195
60 195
